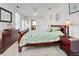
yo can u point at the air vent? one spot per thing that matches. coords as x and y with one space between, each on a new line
49 8
17 6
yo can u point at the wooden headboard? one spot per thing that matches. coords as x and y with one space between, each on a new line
63 28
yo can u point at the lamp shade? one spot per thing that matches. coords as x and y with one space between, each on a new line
68 23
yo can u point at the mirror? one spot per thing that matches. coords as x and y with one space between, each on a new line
5 15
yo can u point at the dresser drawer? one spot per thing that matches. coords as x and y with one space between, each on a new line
7 39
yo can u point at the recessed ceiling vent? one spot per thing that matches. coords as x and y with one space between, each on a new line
49 8
17 6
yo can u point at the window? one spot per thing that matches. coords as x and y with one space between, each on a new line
23 24
18 21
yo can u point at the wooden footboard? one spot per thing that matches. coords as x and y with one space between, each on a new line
19 39
42 44
20 34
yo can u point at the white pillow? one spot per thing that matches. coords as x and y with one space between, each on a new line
55 28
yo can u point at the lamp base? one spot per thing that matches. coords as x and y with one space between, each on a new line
68 32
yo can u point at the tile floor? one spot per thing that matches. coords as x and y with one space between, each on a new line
34 51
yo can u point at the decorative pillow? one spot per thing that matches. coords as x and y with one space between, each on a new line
53 29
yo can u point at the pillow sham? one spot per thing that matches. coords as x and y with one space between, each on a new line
53 29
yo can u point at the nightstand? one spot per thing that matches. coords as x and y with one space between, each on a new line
70 45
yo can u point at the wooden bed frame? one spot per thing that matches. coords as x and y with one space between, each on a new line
63 29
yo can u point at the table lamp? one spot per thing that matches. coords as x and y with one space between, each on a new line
67 25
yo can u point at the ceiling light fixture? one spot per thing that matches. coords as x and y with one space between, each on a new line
35 12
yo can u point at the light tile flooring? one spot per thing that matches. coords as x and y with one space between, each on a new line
34 51
11 51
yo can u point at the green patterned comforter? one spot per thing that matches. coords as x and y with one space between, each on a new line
39 37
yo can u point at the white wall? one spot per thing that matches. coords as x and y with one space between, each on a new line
75 28
41 24
4 24
26 23
63 11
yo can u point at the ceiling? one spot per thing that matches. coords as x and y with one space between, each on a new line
27 9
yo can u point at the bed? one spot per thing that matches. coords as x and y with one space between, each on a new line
27 38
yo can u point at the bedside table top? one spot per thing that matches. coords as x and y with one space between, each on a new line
0 35
74 44
73 39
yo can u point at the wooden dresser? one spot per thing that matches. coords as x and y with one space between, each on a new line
7 38
70 45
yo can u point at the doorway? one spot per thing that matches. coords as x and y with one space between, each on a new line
33 24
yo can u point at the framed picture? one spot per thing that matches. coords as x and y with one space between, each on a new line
5 15
57 16
73 8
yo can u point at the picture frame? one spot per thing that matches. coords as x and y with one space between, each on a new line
57 16
5 15
73 8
